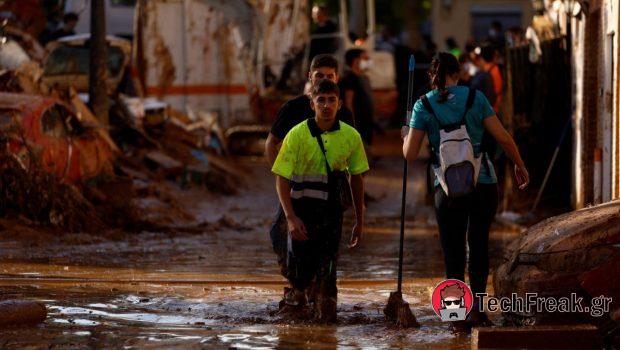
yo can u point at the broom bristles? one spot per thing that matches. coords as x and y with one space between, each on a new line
398 311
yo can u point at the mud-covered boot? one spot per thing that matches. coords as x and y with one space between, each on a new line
311 292
283 301
459 327
477 318
293 305
295 297
325 309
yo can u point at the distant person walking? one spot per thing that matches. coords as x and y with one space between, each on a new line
453 47
489 54
481 80
357 92
325 30
496 36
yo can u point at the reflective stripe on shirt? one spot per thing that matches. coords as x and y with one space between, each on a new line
309 185
309 178
309 193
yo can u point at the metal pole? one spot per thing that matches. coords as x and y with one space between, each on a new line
555 155
98 72
405 175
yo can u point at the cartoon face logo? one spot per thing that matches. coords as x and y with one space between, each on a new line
452 300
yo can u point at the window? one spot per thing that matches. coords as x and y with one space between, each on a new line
68 59
52 122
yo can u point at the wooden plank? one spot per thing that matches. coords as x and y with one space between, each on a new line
537 337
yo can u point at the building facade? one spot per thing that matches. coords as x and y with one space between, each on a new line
471 19
593 28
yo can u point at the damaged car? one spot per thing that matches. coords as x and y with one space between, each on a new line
67 62
46 130
575 255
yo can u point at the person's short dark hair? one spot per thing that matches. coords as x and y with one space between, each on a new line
325 86
324 60
70 17
451 43
351 55
469 47
487 52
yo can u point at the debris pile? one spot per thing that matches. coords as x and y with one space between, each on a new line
184 150
41 197
62 168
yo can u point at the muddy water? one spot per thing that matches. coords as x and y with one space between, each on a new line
220 288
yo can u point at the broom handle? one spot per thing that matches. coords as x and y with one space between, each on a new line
402 227
405 173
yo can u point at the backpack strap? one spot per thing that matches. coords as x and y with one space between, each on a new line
433 159
430 110
319 139
471 96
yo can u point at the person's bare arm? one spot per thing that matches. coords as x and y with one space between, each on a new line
412 143
357 190
271 148
503 138
296 227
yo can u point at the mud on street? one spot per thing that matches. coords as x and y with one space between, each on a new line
218 286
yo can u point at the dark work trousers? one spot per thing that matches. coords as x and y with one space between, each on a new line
316 259
279 239
469 216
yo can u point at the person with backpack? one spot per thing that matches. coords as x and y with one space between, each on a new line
466 194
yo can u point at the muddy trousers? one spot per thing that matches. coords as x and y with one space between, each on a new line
467 217
316 259
279 237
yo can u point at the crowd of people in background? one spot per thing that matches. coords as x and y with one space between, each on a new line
51 33
44 21
481 65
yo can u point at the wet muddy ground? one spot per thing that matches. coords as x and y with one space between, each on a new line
219 286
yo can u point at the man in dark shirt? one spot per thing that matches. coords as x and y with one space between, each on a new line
357 93
481 79
292 113
298 109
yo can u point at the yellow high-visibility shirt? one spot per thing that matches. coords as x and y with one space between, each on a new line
301 157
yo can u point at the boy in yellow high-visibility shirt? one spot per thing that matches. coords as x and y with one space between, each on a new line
310 168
